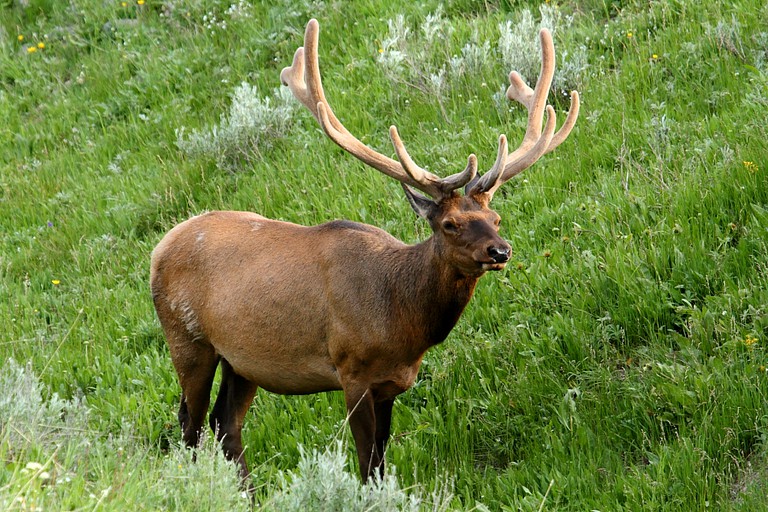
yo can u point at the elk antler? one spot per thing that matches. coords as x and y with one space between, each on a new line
303 79
535 142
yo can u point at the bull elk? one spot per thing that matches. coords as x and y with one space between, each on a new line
339 306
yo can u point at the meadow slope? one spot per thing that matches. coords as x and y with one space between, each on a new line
618 363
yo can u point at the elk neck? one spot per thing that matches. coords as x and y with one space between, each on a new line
432 294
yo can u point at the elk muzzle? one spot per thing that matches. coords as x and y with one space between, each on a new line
498 253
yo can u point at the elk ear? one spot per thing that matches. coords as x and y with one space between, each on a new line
422 205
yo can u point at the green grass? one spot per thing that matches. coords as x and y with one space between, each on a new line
619 363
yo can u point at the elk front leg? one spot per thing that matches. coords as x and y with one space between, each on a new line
362 421
383 412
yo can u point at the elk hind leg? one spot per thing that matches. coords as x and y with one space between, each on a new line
193 357
196 374
235 396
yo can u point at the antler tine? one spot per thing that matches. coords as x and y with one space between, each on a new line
535 142
492 179
444 185
530 157
303 79
570 121
293 77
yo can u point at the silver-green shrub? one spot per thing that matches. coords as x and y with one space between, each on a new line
252 125
408 57
27 417
200 479
323 482
421 58
520 49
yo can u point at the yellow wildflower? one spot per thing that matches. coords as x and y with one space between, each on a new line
32 49
140 2
20 37
41 45
750 340
750 166
629 35
655 56
55 282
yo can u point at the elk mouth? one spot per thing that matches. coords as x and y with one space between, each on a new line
493 265
499 256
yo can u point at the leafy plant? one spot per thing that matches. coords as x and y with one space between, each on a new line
250 128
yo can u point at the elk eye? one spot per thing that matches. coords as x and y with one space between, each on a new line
450 226
497 222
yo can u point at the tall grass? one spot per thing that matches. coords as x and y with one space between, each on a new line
619 363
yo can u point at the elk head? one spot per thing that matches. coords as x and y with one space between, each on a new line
465 228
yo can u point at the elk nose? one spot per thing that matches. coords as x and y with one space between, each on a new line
499 253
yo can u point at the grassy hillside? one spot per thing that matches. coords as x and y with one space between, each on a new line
619 363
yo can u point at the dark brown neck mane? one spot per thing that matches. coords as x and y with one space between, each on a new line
430 294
